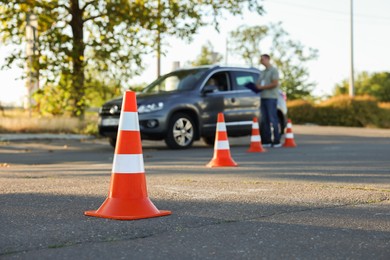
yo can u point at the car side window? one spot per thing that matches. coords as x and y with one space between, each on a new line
240 78
221 80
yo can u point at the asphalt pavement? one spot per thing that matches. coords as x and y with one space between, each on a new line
328 198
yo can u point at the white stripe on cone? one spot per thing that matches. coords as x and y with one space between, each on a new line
129 121
222 145
221 127
289 135
128 163
255 138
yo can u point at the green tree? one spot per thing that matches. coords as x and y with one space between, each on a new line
342 88
245 41
53 98
99 89
288 55
107 35
375 84
207 56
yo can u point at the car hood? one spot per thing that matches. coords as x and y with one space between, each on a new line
143 98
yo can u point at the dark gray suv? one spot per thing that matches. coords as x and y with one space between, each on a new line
182 106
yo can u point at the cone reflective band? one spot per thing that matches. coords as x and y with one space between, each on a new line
128 158
289 139
289 135
255 145
222 155
128 163
128 198
222 143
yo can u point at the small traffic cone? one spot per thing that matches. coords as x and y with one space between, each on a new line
255 146
289 140
221 156
128 198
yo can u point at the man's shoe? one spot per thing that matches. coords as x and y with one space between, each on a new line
277 145
267 145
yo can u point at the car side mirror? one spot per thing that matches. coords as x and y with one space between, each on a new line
209 89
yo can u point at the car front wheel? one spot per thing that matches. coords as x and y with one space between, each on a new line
181 132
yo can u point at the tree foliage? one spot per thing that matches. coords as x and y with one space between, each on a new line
289 56
207 56
374 84
245 42
109 36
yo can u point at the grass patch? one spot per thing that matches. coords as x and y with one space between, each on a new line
21 121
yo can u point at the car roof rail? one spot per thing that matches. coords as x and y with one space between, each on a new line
238 65
214 66
192 67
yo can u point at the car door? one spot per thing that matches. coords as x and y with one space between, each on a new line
212 102
241 104
238 104
224 100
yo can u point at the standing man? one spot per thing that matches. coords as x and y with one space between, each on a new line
268 83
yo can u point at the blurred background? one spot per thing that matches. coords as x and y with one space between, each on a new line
66 58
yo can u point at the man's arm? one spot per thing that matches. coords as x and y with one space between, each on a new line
273 84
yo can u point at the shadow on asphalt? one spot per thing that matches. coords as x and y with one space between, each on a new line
34 223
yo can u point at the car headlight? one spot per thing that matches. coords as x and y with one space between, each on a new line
114 109
147 108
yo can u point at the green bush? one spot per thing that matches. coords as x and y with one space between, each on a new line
301 111
385 122
360 111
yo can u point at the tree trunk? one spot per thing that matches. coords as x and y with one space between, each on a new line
77 88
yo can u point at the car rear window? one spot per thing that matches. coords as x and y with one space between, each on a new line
240 78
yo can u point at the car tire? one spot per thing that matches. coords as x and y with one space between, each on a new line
181 131
112 141
209 140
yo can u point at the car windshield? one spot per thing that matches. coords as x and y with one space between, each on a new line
176 81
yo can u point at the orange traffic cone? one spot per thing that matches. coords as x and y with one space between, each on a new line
255 146
221 156
128 198
289 140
